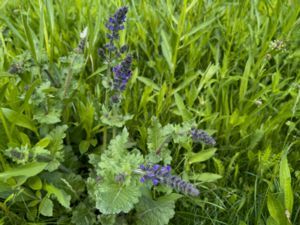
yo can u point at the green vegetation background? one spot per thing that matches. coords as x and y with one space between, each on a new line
232 66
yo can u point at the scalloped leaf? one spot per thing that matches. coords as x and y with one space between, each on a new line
56 136
83 215
156 212
50 117
113 198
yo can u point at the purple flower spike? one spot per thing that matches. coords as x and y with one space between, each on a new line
161 174
122 74
115 23
155 182
202 136
155 167
142 167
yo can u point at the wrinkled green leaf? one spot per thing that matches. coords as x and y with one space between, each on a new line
113 198
156 212
83 215
117 195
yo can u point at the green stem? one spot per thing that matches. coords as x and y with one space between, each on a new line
114 132
104 138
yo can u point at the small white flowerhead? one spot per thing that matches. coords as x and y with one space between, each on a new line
84 33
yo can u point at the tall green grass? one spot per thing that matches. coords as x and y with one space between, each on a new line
209 61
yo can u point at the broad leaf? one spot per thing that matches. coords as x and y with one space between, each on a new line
46 207
19 119
26 171
83 215
156 212
118 189
202 156
62 197
276 210
115 198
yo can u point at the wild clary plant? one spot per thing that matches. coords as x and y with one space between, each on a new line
121 171
66 153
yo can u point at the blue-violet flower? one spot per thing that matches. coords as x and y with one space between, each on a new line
122 73
115 24
162 174
201 135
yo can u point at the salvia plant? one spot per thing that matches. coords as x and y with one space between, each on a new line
108 114
63 121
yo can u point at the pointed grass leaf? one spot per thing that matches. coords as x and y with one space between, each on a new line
202 156
186 115
276 210
166 49
272 221
205 177
26 171
207 76
285 184
19 119
161 98
186 82
245 79
30 36
148 82
13 29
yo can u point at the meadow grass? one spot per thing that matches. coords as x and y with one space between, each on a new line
208 61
